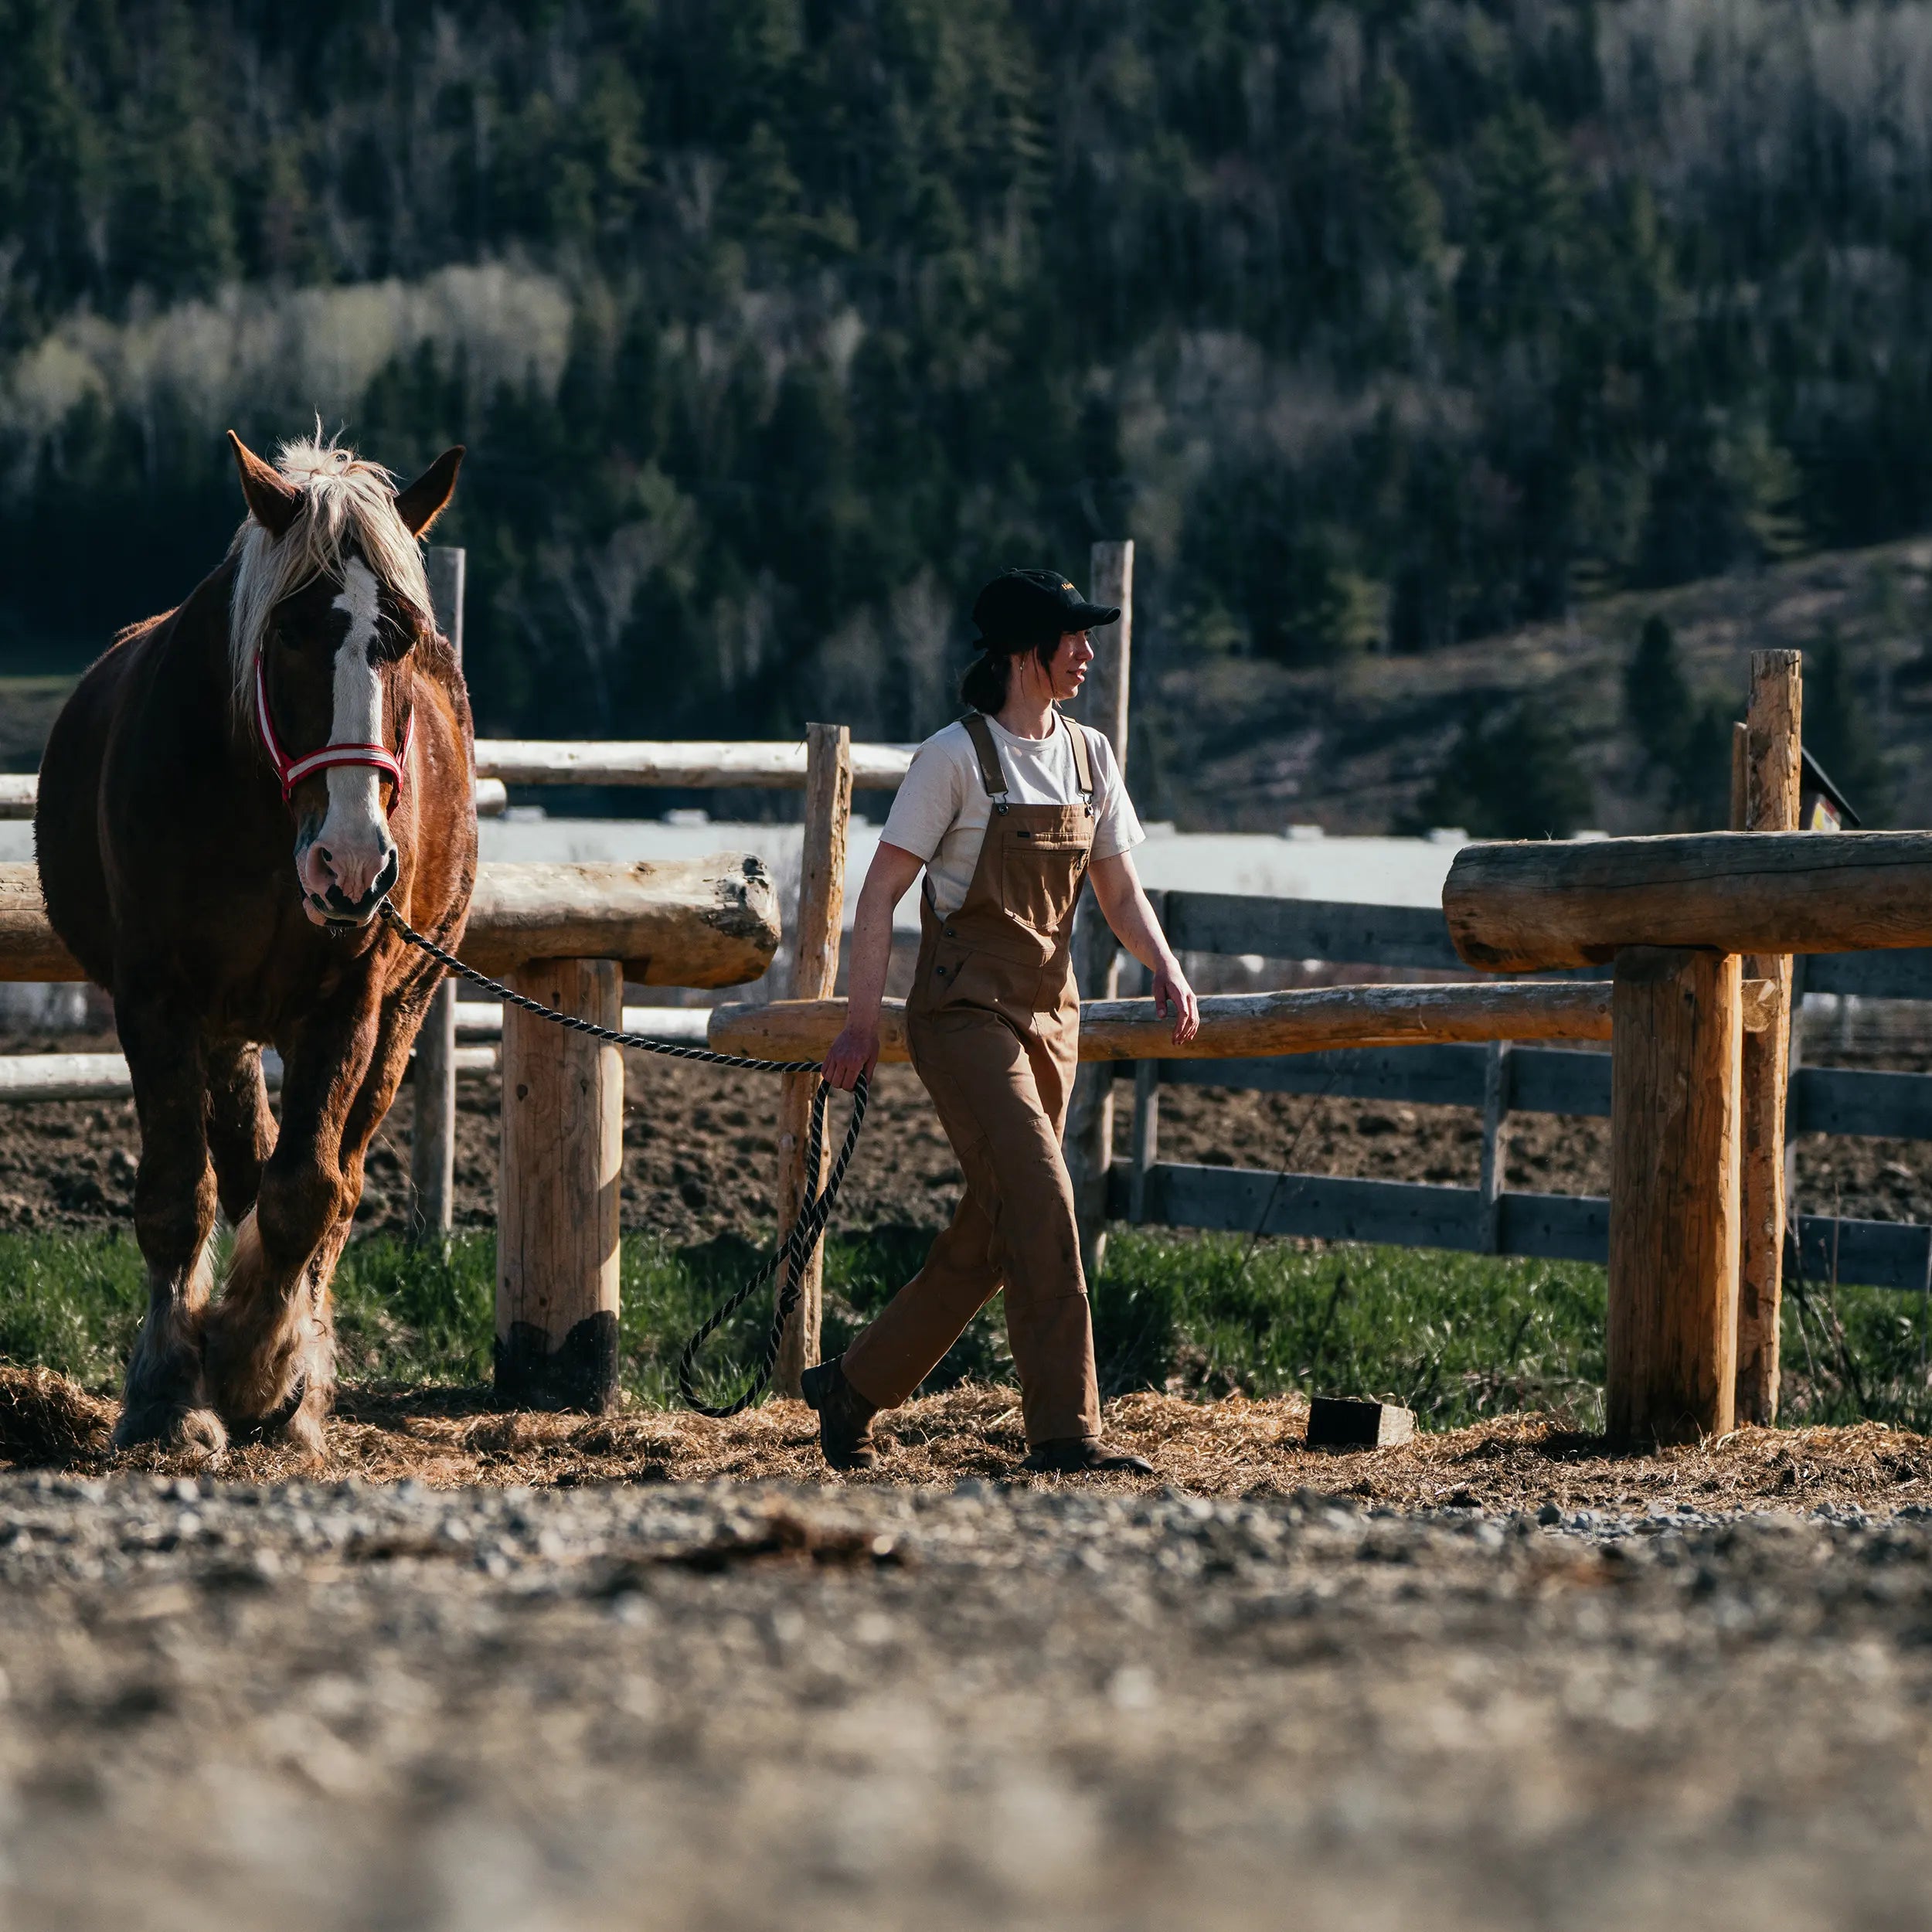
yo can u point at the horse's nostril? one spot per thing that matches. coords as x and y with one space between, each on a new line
324 855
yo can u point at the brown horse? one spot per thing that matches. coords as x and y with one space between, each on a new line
302 695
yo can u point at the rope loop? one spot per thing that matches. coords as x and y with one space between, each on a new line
801 1243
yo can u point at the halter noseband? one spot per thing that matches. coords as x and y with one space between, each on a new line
290 772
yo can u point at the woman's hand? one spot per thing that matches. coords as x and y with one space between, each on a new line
1171 988
855 1051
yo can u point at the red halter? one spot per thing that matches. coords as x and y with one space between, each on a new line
292 771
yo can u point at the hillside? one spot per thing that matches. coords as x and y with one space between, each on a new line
775 327
1235 743
1239 744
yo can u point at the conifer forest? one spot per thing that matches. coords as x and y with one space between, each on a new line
774 326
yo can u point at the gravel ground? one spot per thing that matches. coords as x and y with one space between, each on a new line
329 1704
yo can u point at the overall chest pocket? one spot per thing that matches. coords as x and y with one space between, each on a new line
1041 872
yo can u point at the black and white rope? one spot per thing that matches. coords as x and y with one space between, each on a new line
794 1253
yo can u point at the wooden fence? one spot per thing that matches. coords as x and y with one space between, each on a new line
1501 1079
564 939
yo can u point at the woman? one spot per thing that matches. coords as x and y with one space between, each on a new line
1008 811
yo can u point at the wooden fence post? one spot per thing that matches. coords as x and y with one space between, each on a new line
1772 778
1494 1172
1146 1103
814 973
1089 1139
1671 1343
557 1200
433 1137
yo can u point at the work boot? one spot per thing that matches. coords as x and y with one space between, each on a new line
844 1416
1084 1456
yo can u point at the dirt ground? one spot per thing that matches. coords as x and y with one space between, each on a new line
492 1672
700 1155
321 1703
442 1437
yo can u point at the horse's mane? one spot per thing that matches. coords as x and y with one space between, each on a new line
344 498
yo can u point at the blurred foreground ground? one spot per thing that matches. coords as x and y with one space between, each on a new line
321 1702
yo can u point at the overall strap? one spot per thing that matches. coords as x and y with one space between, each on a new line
990 773
1082 760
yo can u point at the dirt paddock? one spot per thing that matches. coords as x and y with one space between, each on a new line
700 1156
515 1671
520 1673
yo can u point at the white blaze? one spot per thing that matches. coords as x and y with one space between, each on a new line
355 831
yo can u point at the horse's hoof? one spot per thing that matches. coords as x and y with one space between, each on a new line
173 1425
296 1419
304 1430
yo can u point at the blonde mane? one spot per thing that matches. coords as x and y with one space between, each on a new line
344 498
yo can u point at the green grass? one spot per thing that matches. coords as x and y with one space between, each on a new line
70 1302
1454 1337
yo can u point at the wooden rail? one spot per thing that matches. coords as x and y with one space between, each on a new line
706 921
1530 907
1549 1227
1233 1024
1552 1080
104 1076
780 766
670 764
20 791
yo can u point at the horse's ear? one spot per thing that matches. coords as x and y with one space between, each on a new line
423 502
273 500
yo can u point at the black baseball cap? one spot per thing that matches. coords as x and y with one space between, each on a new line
1021 608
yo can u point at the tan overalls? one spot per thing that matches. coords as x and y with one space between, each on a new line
994 1026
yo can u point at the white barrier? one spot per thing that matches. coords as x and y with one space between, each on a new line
104 1077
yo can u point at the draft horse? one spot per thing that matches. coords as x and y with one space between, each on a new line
302 696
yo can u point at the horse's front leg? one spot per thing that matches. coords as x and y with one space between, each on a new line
241 1130
164 1398
270 1346
269 1343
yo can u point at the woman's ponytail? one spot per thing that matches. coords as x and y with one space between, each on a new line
983 686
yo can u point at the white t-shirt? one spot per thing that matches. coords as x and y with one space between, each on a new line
942 810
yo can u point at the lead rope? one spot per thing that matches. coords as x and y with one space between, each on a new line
796 1249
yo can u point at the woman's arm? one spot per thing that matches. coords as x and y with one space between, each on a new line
1117 886
855 1051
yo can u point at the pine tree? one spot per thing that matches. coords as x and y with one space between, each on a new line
1405 212
1657 699
1527 226
1512 775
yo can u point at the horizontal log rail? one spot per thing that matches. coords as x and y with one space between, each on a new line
1240 1026
19 791
1550 1227
700 922
697 764
483 1019
777 765
1535 907
104 1076
692 922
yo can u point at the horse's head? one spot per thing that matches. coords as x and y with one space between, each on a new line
330 603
